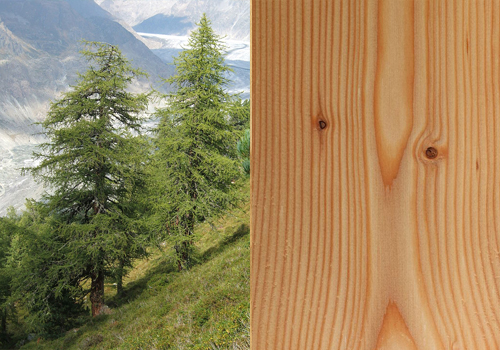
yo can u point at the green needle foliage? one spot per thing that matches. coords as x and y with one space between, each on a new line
239 115
44 281
243 147
8 229
92 163
196 171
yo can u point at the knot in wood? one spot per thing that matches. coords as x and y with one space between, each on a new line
322 124
431 153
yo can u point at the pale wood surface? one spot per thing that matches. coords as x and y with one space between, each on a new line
359 239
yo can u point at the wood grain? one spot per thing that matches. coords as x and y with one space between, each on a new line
359 239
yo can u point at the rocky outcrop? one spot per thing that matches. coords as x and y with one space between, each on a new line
10 45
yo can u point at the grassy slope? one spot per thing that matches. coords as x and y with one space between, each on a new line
206 307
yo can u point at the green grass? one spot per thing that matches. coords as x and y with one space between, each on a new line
206 307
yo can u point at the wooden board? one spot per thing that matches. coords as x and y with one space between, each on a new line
375 175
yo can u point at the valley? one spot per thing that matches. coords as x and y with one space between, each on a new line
40 61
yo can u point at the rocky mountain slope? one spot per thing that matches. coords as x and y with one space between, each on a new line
229 17
165 25
39 59
39 44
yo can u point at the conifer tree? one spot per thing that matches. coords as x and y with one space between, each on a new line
8 230
243 147
45 285
239 115
92 164
196 168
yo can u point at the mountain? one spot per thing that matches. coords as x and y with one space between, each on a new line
163 24
39 59
230 18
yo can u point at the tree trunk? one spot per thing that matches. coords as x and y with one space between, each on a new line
183 249
187 243
185 253
4 320
119 279
97 292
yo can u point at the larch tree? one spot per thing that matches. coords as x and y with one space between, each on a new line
92 163
239 115
243 147
196 171
8 230
44 283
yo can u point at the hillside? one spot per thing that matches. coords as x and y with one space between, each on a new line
39 44
40 41
206 307
39 59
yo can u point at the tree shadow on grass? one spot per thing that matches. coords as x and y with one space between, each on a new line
153 278
153 281
211 252
159 276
